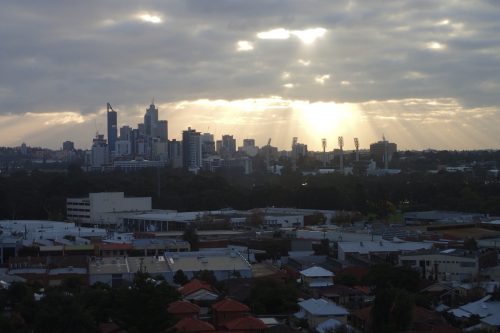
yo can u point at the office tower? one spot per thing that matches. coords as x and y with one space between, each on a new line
191 149
382 151
68 146
228 146
125 132
162 130
112 128
207 145
175 153
150 120
99 151
248 142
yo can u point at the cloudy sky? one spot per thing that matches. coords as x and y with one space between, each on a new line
423 73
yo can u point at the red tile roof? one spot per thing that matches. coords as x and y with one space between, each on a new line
183 307
193 325
230 305
246 323
195 285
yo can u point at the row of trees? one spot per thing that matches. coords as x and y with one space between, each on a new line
140 307
43 195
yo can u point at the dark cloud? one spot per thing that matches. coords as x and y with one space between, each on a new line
56 56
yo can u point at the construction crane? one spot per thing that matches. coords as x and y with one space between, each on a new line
109 107
356 144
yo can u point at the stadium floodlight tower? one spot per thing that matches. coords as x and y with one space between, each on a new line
341 146
356 144
323 143
294 153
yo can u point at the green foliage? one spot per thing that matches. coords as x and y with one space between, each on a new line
75 308
470 244
384 276
269 295
191 236
41 195
207 276
256 219
346 280
180 278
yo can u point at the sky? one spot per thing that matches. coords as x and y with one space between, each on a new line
424 74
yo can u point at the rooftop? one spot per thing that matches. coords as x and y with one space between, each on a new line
230 305
183 307
213 260
316 271
322 307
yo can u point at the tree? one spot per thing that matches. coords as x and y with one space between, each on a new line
256 219
269 295
470 244
207 276
191 236
180 278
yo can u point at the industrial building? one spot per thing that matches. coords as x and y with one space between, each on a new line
93 209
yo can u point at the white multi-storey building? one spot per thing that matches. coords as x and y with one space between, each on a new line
95 209
450 264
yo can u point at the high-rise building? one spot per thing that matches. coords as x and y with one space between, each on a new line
68 146
382 152
125 132
162 130
207 145
99 151
228 146
150 120
191 149
248 142
175 153
112 127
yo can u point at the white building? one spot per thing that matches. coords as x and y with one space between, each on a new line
283 221
225 264
94 209
316 276
367 248
317 311
449 265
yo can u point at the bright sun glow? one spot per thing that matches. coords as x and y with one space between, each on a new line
150 18
274 34
435 46
321 79
244 45
307 36
322 119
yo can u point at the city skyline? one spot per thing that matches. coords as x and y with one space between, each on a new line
424 74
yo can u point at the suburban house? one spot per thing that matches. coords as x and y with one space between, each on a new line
316 276
317 311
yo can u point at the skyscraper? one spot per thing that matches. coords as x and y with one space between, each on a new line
151 120
112 127
228 146
191 149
